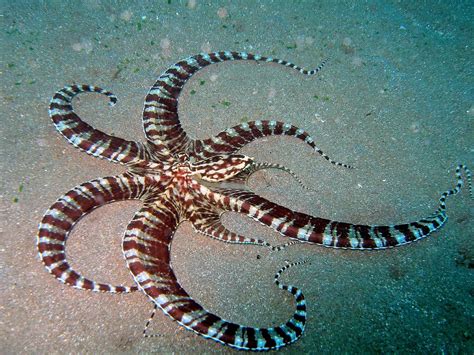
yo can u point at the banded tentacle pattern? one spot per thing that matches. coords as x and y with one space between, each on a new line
331 233
177 179
234 138
66 211
88 139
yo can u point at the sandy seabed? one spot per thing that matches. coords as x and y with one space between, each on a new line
395 101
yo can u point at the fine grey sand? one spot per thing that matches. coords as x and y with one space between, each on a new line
395 100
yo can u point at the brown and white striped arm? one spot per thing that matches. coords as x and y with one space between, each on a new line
160 115
206 219
61 217
233 139
333 233
85 137
146 248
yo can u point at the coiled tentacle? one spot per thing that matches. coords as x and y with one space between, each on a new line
61 217
85 137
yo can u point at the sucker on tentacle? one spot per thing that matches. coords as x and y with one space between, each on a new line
180 179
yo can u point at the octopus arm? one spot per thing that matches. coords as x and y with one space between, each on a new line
206 220
331 233
146 248
244 176
61 217
85 137
233 139
160 115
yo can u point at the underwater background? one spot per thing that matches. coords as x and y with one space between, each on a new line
395 100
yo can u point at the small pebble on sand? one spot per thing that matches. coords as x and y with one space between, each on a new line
84 45
222 13
300 42
415 127
303 42
357 61
470 112
126 15
191 4
271 93
165 45
77 47
347 46
206 47
42 142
